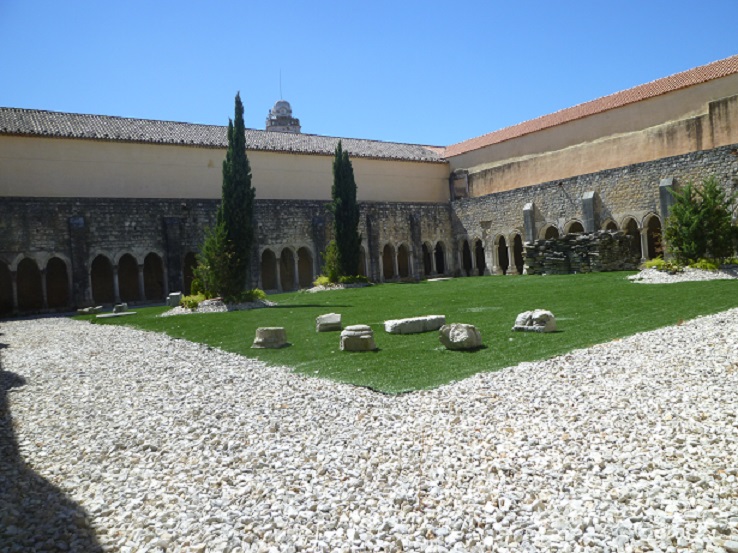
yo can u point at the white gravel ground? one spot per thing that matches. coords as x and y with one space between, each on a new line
119 440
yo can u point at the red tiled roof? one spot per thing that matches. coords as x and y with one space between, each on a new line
691 77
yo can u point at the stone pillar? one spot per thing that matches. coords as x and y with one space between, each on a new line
529 222
166 281
44 293
395 270
644 244
141 286
14 283
590 209
173 261
434 268
80 279
279 274
511 267
296 271
116 287
495 260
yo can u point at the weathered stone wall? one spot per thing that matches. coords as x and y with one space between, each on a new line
582 253
631 191
77 230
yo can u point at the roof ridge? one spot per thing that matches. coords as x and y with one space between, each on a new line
676 81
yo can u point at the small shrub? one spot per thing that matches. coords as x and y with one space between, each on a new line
331 268
322 280
196 287
354 279
192 301
705 265
662 265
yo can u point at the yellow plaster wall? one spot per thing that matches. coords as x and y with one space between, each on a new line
614 138
62 167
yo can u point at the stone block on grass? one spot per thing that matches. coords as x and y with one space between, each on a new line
538 320
330 322
460 336
415 325
358 338
270 337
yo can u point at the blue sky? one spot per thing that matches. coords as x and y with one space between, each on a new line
426 72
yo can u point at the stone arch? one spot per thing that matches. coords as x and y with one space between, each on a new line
153 276
466 258
268 270
549 232
6 289
479 257
610 225
128 278
574 227
503 259
305 267
427 259
439 253
403 261
188 271
518 260
101 277
388 262
28 279
287 269
654 243
630 228
57 283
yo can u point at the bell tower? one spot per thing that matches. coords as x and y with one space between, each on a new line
280 118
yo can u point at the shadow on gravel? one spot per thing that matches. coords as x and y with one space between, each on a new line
35 515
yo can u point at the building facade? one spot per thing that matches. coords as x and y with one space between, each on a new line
97 209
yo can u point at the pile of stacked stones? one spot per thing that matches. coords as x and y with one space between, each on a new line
582 253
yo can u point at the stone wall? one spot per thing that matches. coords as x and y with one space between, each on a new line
632 191
77 230
582 253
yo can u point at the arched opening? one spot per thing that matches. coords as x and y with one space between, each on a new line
128 278
57 284
305 267
268 270
479 257
361 269
610 225
575 227
188 272
653 237
403 261
466 259
502 257
630 227
28 278
549 232
153 277
518 254
427 261
101 274
440 255
6 290
388 263
287 270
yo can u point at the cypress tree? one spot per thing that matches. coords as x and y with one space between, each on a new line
236 210
345 214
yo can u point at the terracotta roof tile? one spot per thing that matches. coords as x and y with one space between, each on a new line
17 121
709 72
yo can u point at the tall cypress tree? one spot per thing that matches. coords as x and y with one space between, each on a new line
345 213
236 211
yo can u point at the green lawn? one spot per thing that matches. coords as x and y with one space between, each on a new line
589 309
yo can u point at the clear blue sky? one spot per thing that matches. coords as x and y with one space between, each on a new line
425 72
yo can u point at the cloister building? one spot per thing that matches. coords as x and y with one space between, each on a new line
97 209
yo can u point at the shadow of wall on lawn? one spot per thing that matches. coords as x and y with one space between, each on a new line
35 515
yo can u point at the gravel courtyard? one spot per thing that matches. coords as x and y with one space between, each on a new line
112 439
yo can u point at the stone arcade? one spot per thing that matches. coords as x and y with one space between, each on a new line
102 210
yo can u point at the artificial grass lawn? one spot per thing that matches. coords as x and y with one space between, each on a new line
589 309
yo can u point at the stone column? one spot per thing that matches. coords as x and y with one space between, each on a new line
644 244
395 270
296 279
434 269
116 287
166 282
279 274
14 285
44 293
511 268
141 285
